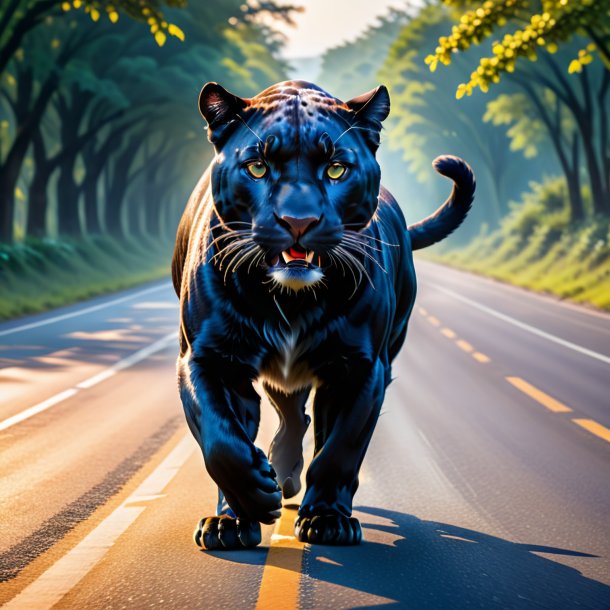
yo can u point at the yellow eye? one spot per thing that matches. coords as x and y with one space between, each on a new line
335 170
257 169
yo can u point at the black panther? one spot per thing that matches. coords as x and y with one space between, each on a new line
294 267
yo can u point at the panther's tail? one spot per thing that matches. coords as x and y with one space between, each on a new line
451 214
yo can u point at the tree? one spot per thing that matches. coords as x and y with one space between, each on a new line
19 17
427 121
112 114
541 25
565 35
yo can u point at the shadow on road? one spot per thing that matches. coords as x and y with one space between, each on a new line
435 565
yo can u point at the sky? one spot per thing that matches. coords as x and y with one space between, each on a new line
327 23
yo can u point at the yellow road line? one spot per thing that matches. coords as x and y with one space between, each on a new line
282 573
448 333
593 427
464 345
538 395
434 321
482 358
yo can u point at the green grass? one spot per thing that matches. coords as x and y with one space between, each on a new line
537 247
43 274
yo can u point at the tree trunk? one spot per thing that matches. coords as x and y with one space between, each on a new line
68 220
11 168
118 187
37 197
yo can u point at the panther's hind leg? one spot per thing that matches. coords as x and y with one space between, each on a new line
286 450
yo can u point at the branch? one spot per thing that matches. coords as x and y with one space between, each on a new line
30 20
599 43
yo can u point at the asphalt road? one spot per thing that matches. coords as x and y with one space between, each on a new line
487 484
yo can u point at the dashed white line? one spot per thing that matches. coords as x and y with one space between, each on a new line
526 327
134 358
80 312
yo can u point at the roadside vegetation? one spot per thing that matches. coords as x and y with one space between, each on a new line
42 274
537 246
521 90
101 140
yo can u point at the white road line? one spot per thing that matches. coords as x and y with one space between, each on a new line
527 327
134 358
67 572
80 312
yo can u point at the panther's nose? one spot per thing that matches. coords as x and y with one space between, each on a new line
298 226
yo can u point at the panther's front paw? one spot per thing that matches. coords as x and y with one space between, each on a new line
328 529
224 533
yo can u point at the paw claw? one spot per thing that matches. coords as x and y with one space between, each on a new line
328 529
225 533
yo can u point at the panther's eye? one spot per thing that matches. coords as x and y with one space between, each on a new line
335 170
257 169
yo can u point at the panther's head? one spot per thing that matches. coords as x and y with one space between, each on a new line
294 179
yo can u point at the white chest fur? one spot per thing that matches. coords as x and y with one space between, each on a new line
286 370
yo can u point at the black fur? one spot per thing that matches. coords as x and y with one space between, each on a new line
333 324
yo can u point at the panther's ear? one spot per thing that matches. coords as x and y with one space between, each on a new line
219 107
373 106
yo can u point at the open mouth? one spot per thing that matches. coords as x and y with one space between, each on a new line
295 269
296 256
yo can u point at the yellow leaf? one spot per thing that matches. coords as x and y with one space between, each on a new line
160 38
19 193
65 6
113 16
55 43
575 66
95 14
77 3
459 94
552 47
174 30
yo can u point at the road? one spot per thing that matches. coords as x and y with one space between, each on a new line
486 484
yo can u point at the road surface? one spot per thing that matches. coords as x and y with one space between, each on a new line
487 484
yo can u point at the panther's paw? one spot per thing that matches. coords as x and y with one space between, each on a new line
224 532
328 529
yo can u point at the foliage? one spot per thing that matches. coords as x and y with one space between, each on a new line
101 128
537 247
427 121
43 274
148 11
540 25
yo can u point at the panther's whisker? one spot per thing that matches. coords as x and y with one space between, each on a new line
366 236
229 249
237 258
357 248
357 264
341 255
251 251
334 261
249 128
359 242
230 235
256 260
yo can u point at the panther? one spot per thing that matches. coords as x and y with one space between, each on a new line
294 268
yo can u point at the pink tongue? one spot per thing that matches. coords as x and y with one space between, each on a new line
296 253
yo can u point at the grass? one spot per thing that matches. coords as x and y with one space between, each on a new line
537 247
43 274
